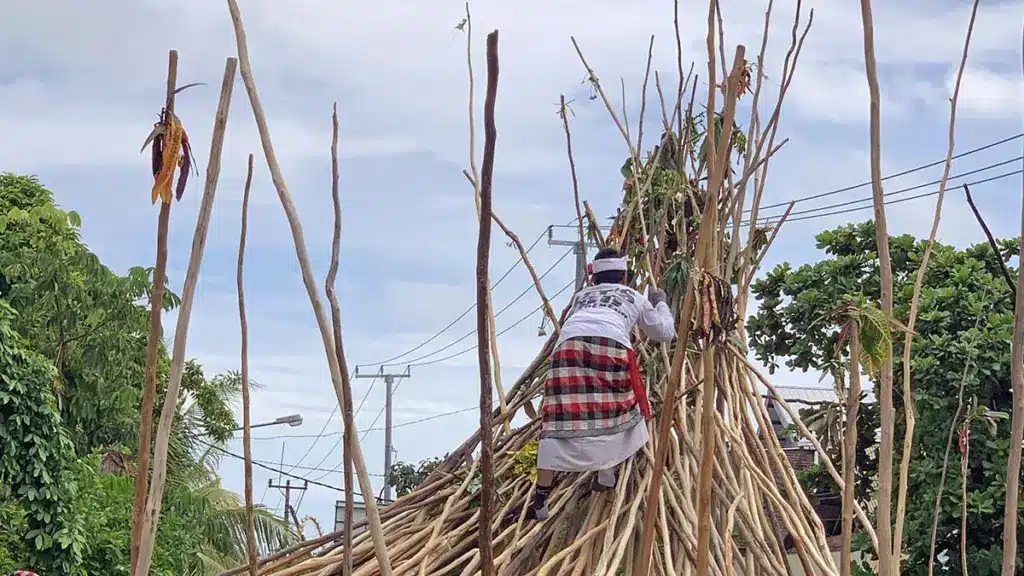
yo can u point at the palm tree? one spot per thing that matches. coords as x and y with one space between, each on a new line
204 423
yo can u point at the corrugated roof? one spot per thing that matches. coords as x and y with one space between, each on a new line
801 396
806 395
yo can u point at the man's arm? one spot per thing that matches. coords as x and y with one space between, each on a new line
656 318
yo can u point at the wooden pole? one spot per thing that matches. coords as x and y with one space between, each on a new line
910 417
339 377
483 312
348 434
475 181
250 529
642 561
708 436
850 454
156 307
887 412
991 241
154 499
1016 427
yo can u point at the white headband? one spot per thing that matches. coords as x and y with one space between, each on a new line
609 264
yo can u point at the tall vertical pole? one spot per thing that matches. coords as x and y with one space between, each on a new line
389 382
287 499
580 250
288 509
581 264
282 464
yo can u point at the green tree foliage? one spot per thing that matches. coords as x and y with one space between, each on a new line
963 331
72 362
35 453
405 478
201 525
91 322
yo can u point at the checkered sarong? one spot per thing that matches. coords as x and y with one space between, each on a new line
589 389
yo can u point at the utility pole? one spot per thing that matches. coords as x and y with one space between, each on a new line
579 249
287 487
389 382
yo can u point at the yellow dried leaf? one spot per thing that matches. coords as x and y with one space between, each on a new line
172 144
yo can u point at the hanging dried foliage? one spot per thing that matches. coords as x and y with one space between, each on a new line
170 150
718 308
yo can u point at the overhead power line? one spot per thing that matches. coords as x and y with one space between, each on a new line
449 357
901 200
891 176
327 423
986 168
464 314
517 323
418 361
375 429
275 470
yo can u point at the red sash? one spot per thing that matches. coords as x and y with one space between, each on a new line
638 386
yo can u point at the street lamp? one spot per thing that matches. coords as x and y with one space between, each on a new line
292 420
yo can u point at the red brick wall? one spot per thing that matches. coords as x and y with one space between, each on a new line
800 458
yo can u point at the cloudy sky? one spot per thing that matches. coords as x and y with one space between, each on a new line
81 85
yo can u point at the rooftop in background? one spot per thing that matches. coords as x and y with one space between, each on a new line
803 396
799 398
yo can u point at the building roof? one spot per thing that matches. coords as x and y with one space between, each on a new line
799 398
803 396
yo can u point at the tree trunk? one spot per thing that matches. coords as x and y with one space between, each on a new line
1010 508
154 499
483 312
887 412
850 450
250 529
349 433
156 307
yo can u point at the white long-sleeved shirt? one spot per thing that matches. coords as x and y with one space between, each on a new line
611 311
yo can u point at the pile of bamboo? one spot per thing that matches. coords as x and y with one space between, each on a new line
713 492
434 529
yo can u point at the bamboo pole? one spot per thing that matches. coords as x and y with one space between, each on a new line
908 397
716 169
850 454
156 307
483 311
949 446
991 241
339 378
250 530
888 413
1010 504
563 108
964 456
549 312
154 499
348 434
705 237
475 180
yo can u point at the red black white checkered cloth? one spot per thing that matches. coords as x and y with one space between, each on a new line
592 388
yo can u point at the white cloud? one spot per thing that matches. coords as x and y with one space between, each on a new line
987 94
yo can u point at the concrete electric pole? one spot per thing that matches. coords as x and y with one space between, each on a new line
580 250
389 382
288 510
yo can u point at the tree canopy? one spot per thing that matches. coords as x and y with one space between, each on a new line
72 367
963 334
